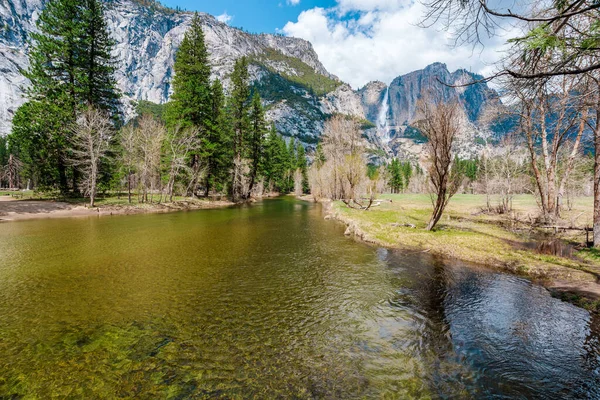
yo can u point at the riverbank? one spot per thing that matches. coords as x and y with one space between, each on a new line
15 209
565 267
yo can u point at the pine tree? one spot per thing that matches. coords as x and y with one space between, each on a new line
190 102
55 56
216 145
55 73
98 80
240 95
303 166
292 164
70 69
397 182
258 129
37 140
406 173
320 156
275 161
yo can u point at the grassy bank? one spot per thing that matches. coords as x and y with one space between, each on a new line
501 241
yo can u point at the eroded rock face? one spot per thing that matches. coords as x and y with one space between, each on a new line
343 100
147 40
434 81
371 96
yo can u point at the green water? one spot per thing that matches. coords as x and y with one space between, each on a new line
270 301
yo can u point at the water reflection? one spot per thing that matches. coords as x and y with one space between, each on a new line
271 301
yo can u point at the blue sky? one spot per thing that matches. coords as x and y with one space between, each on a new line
262 16
357 40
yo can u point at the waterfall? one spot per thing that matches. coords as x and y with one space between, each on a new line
382 118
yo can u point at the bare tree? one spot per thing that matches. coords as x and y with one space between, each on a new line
551 118
440 125
10 172
180 144
558 38
343 174
150 137
344 149
129 154
92 134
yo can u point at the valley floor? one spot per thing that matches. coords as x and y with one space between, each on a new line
19 206
560 261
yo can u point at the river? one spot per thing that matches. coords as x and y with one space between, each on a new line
271 301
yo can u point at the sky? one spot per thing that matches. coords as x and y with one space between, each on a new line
357 40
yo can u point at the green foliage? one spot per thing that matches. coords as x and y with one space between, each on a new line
469 168
143 107
276 163
366 124
320 156
70 59
156 6
275 88
415 134
98 81
305 76
3 151
302 165
190 102
216 144
399 175
239 103
70 69
255 145
39 140
541 38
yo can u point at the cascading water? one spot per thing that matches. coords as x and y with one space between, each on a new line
382 118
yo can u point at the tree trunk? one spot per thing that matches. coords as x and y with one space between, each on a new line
438 210
62 176
597 180
129 186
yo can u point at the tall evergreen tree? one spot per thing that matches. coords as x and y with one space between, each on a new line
216 145
302 165
292 165
240 95
275 161
255 147
55 56
98 79
320 156
70 68
191 99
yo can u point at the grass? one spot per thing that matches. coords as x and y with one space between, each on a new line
466 233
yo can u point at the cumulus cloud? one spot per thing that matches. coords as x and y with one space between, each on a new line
293 2
364 40
225 18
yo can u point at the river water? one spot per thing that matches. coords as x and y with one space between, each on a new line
271 301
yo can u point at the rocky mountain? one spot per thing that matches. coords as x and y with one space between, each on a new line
299 93
393 108
148 35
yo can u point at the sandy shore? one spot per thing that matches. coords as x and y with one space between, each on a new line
18 210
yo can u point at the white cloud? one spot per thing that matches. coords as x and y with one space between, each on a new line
364 40
293 2
225 18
